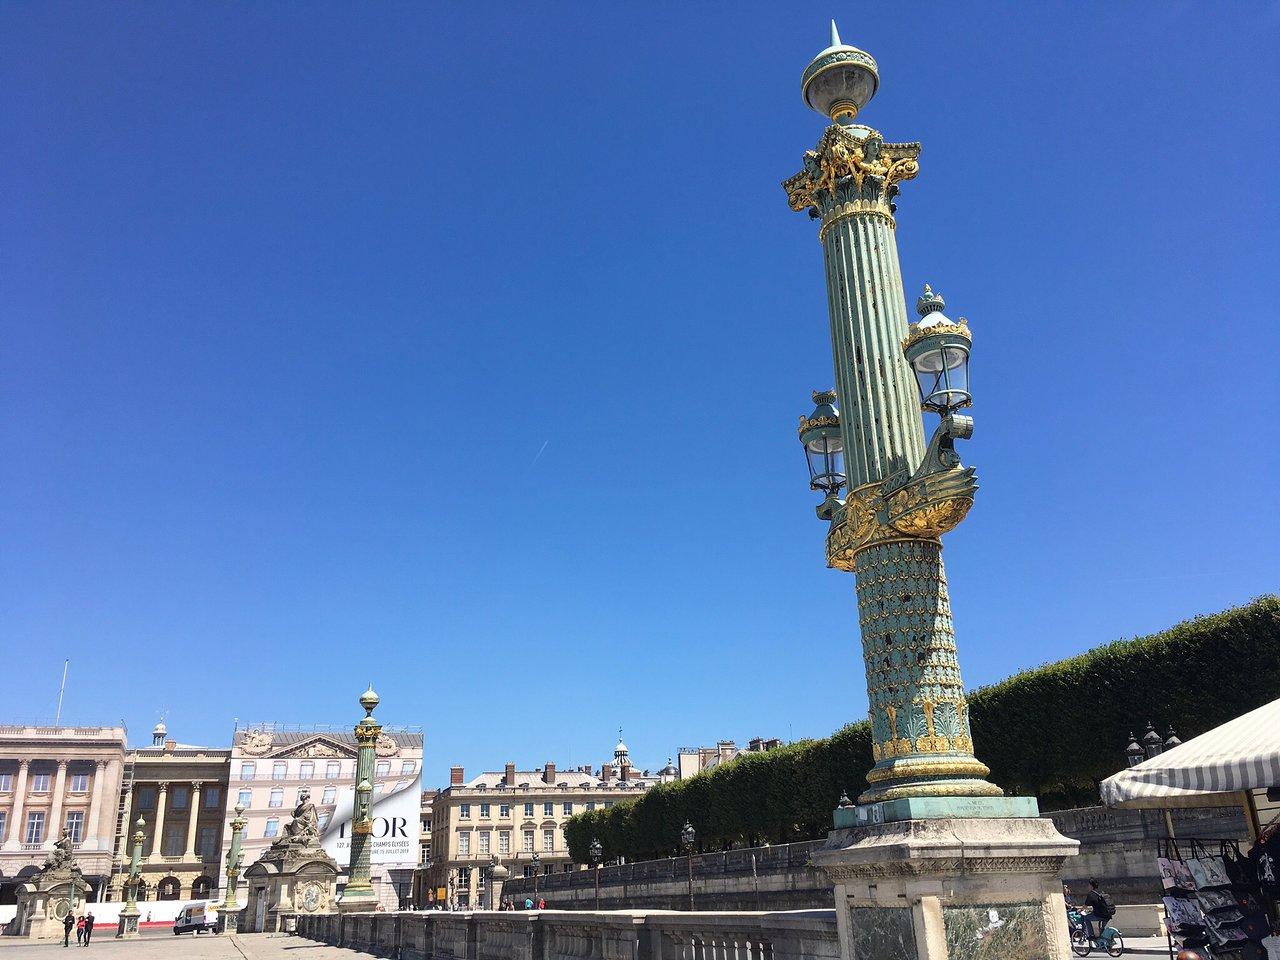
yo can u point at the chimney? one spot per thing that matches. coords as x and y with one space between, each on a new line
509 777
606 772
455 777
626 772
549 774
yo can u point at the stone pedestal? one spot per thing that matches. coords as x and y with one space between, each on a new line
229 920
44 900
127 924
286 883
950 889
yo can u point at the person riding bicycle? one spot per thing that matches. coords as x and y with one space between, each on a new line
1101 909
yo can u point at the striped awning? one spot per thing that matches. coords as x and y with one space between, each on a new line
1242 754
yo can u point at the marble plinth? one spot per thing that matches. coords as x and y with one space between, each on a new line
936 808
950 889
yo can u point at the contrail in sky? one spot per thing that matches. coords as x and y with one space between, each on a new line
539 453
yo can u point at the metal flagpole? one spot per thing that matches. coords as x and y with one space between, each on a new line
61 690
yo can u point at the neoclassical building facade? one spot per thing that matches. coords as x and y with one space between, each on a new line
180 791
56 777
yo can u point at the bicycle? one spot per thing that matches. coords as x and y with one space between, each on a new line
1082 944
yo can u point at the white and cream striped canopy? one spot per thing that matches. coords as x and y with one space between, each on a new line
1242 754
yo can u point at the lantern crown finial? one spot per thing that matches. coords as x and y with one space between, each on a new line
929 302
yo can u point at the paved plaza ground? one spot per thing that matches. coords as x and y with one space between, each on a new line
163 945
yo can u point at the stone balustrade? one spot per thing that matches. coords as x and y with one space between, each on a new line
581 935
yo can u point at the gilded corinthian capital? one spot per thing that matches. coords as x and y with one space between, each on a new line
854 168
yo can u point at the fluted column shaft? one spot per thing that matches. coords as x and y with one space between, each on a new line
196 786
880 409
95 805
54 830
157 832
19 801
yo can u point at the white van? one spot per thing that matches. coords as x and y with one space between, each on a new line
195 917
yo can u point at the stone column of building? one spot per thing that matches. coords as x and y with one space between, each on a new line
19 799
190 853
157 832
91 841
54 828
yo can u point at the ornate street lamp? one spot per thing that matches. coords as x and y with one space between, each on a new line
1171 739
824 450
1152 744
358 894
687 836
594 853
938 351
1133 752
535 861
127 924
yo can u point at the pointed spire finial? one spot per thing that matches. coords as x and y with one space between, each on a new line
835 35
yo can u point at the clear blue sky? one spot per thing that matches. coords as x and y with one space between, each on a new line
467 343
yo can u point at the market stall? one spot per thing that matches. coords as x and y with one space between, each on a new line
1219 895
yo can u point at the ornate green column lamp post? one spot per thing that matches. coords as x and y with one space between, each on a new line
229 912
889 498
127 924
358 893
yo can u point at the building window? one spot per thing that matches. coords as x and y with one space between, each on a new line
406 768
484 810
39 783
4 822
504 811
528 871
171 844
277 798
464 811
591 804
378 788
568 868
279 769
484 843
332 770
548 809
528 809
464 878
147 798
383 768
245 798
246 770
6 783
180 796
464 844
212 798
323 820
330 795
306 770
207 843
548 841
75 825
272 827
568 809
504 842
528 841
608 804
80 783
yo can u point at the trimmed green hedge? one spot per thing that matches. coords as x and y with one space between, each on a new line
1052 732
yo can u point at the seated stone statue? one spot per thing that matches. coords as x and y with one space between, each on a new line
304 829
62 854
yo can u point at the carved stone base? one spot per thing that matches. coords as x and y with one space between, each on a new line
45 899
229 920
127 925
950 889
286 884
936 808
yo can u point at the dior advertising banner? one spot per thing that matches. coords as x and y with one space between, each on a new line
397 815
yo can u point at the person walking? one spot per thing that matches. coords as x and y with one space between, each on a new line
88 927
68 922
80 930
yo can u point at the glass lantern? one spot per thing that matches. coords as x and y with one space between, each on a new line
938 350
824 444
